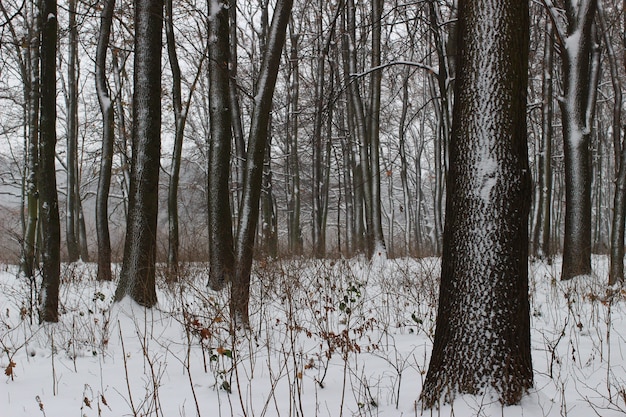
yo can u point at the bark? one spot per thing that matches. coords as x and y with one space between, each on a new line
32 148
48 199
545 182
71 219
108 139
444 79
374 132
360 127
293 161
616 269
137 278
221 252
235 108
482 338
254 162
577 110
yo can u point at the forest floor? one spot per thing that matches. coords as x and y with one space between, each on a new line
327 338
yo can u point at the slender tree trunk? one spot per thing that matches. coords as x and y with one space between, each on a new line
360 127
577 110
32 155
108 139
254 162
48 199
616 270
482 338
293 161
235 108
319 247
137 278
71 216
374 131
221 252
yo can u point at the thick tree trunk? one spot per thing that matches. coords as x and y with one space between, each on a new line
137 278
482 338
108 139
48 199
254 162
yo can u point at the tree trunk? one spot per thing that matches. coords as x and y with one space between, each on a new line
482 338
32 149
545 158
221 252
71 216
108 139
254 162
577 110
374 132
48 199
293 161
616 269
137 278
359 127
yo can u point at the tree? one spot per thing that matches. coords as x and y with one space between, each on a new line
581 63
71 212
246 231
221 252
48 199
616 271
108 139
180 121
137 277
482 338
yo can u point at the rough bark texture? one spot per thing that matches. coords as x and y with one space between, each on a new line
108 138
221 252
254 162
48 199
482 338
137 277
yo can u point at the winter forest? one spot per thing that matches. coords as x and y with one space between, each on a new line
320 208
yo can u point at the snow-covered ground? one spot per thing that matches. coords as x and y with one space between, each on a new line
331 338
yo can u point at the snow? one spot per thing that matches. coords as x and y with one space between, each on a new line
328 338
